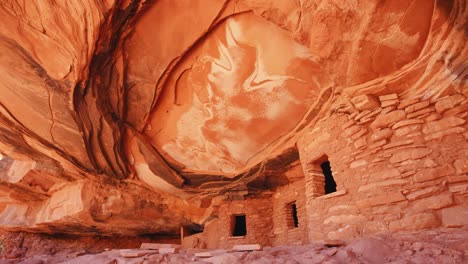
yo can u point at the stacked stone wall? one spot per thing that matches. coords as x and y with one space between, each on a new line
399 164
218 233
284 231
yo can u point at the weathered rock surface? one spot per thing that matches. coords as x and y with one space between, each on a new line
435 246
133 117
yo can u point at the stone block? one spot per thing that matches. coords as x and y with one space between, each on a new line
386 209
433 117
351 130
416 153
168 250
433 202
461 166
378 144
360 115
374 227
386 198
372 114
387 119
421 113
388 97
247 247
440 134
358 163
399 143
388 103
352 115
455 216
381 184
360 143
419 221
407 130
448 102
386 173
333 194
381 134
365 102
407 102
457 110
345 232
442 124
359 134
333 243
433 173
342 208
345 219
349 123
408 173
134 253
387 110
414 195
158 246
407 122
458 187
457 178
211 253
416 107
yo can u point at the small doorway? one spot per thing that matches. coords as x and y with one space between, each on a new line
239 225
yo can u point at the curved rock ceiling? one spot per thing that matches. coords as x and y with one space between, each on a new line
232 95
198 95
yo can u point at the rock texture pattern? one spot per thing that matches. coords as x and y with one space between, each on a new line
138 116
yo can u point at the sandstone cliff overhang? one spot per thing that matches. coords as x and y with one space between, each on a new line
174 103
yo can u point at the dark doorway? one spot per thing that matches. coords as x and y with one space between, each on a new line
239 225
330 184
294 215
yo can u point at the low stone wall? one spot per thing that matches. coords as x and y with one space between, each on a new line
218 232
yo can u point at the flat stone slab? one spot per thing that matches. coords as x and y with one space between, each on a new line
212 253
333 243
247 247
158 246
134 253
169 250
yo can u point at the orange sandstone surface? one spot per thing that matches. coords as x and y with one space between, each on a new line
233 122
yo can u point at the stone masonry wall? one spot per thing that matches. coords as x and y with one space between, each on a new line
259 224
283 226
398 165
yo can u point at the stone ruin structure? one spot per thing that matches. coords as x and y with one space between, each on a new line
231 122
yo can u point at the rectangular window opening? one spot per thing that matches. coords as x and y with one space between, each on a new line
330 184
239 225
293 220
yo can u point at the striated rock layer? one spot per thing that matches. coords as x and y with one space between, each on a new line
134 117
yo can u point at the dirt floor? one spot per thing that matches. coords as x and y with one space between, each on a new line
425 247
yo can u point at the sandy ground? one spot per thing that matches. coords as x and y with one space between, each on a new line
430 246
